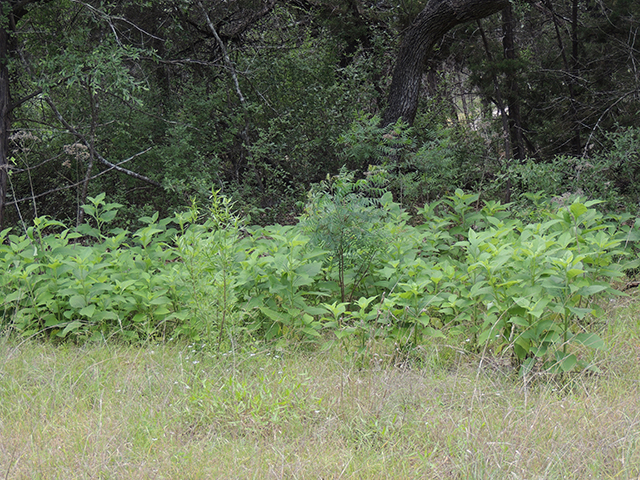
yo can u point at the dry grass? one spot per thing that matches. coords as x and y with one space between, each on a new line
169 412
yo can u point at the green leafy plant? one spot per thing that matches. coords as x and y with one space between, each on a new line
346 216
277 282
355 271
56 285
211 255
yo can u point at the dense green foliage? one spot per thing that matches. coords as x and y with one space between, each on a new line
141 100
354 271
300 216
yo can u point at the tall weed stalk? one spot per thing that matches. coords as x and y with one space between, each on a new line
211 257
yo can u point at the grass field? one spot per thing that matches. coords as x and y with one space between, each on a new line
182 412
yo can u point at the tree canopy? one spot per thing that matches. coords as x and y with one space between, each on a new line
158 102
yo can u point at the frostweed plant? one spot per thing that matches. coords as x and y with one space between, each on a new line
118 286
356 271
277 283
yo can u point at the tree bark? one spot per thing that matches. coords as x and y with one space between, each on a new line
512 90
570 71
4 116
576 141
10 14
437 18
498 97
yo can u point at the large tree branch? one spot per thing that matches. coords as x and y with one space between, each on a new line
248 19
110 18
17 103
88 144
437 18
67 187
244 133
225 55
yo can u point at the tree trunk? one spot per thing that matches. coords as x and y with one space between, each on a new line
10 13
4 116
498 98
576 141
437 18
512 90
570 71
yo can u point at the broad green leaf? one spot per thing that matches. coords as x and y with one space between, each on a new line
579 312
590 340
273 331
311 331
71 327
480 288
88 310
77 301
527 366
336 308
574 272
363 302
126 284
539 351
51 320
520 321
578 209
275 316
539 308
162 300
30 268
255 302
591 290
522 301
15 295
521 347
434 333
108 215
309 269
567 363
100 316
312 310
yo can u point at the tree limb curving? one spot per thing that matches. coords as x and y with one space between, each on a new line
431 24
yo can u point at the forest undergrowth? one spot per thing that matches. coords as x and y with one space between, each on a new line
523 283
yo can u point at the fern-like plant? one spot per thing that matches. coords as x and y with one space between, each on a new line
343 216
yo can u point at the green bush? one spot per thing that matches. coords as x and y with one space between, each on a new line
610 176
356 271
118 285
